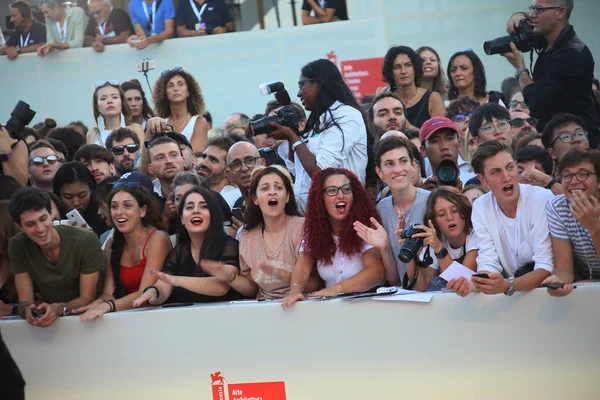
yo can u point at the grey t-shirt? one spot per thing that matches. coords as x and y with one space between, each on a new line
389 217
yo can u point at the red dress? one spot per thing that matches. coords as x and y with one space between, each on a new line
131 276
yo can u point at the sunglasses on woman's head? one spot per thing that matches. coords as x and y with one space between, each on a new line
111 82
167 71
131 148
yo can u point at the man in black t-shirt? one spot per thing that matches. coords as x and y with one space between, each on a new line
107 25
28 35
203 17
324 11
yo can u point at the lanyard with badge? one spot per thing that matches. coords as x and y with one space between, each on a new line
150 18
102 27
62 32
25 43
515 256
198 13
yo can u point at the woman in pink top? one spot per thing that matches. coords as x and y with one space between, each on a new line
271 239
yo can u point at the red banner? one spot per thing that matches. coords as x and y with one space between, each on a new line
363 77
218 392
256 391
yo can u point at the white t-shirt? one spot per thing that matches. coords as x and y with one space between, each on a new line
342 266
471 244
231 194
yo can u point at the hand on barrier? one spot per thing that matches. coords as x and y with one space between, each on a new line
560 292
49 315
148 297
97 311
495 284
460 286
327 292
85 308
291 299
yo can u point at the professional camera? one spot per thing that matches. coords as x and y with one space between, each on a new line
20 117
447 173
524 40
411 245
285 116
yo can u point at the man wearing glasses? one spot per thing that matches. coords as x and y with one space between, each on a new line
521 124
242 158
563 132
564 71
574 221
43 164
107 25
125 146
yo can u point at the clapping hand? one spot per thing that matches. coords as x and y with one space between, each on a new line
223 272
376 237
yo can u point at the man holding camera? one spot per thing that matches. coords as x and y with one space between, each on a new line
564 71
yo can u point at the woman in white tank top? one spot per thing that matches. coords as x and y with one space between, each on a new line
179 103
110 112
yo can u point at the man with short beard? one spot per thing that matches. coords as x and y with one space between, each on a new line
125 145
388 112
212 166
521 125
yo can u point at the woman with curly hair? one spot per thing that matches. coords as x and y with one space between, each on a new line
136 99
467 78
434 76
344 261
111 112
403 72
179 103
135 250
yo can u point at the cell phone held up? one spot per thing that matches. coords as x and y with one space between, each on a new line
481 275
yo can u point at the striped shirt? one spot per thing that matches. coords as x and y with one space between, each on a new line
564 226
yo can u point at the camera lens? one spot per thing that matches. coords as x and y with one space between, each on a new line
447 173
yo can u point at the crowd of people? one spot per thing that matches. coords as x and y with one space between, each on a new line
154 206
60 26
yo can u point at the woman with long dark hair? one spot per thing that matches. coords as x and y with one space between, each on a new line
74 184
434 76
178 102
403 72
111 111
344 261
201 242
138 104
335 135
467 78
136 249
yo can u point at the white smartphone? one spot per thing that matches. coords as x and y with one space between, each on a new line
74 215
61 222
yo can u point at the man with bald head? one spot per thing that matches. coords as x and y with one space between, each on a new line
242 159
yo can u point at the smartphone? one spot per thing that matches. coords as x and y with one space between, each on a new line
553 286
74 215
61 222
237 213
36 313
177 305
147 64
481 275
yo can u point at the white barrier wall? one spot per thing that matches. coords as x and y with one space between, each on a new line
530 346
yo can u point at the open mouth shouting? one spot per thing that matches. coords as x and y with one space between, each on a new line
508 189
272 203
340 207
196 221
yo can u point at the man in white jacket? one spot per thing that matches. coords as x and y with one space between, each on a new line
515 250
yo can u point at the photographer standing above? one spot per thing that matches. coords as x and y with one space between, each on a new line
564 70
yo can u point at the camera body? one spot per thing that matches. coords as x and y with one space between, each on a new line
411 245
523 39
20 117
285 116
447 173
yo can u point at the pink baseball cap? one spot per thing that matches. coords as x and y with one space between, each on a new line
433 125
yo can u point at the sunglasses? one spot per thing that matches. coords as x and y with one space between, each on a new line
51 159
131 148
129 185
519 122
461 117
104 83
167 71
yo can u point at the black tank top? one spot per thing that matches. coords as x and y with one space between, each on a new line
419 113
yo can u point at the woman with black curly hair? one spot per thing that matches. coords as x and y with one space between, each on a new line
344 261
403 72
467 78
178 102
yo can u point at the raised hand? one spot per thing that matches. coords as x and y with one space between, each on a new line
223 272
376 237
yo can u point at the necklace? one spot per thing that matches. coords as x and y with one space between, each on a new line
183 124
407 102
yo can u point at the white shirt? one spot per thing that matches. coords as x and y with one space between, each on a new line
334 148
342 266
529 234
231 194
470 244
188 131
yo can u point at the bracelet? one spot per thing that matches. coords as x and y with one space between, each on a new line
299 285
520 71
152 287
442 253
111 305
296 144
550 184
